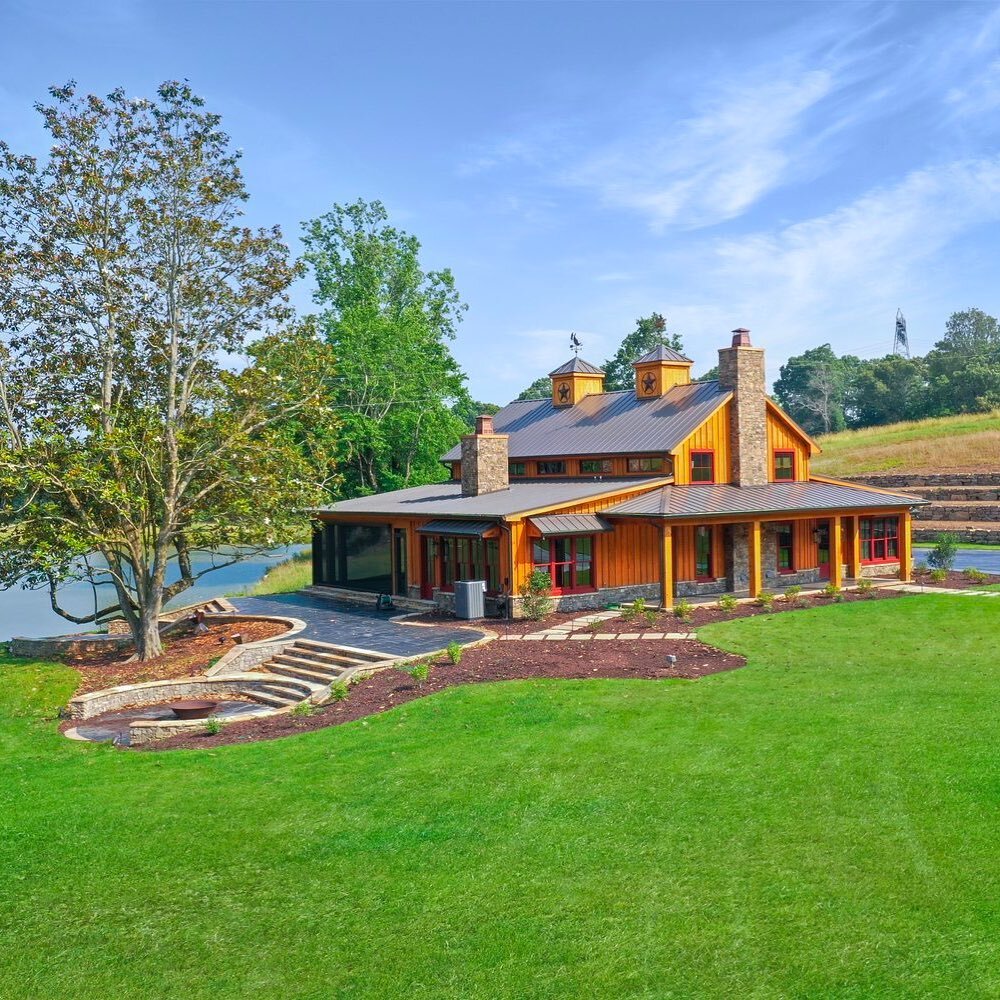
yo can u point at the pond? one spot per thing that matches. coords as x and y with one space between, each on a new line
27 613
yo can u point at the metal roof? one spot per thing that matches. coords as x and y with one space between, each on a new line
473 529
609 423
577 364
445 500
570 524
663 353
716 501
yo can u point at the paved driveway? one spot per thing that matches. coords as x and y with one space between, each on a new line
987 560
347 624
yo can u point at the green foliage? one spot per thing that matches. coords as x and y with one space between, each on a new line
128 283
727 603
963 369
213 725
467 409
683 609
887 390
939 575
865 588
339 691
454 652
535 592
541 388
793 595
649 332
650 617
831 590
942 556
399 393
418 671
286 577
304 709
765 600
975 575
811 386
594 627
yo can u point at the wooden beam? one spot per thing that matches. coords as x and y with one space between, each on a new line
853 546
836 552
666 566
755 560
905 547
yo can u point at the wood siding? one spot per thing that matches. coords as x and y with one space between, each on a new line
684 552
712 435
782 436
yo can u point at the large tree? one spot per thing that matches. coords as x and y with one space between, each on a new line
886 390
134 430
650 332
964 366
389 323
811 386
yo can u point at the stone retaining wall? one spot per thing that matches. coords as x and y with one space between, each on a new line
973 535
890 482
53 647
938 512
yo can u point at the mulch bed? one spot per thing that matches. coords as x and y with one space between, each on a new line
955 580
498 661
185 655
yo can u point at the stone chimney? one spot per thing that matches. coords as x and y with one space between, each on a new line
741 370
484 460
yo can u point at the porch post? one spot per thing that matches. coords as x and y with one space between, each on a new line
905 547
755 561
854 547
836 552
666 566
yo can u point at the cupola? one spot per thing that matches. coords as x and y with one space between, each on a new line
657 372
574 380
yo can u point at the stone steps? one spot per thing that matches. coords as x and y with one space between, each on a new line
278 665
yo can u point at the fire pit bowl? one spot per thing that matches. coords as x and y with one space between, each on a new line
192 709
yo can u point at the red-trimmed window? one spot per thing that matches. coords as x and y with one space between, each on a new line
784 465
469 559
551 468
703 466
879 539
785 538
568 561
703 553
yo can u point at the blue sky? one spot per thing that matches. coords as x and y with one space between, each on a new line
798 169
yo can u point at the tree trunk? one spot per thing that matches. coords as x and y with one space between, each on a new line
147 636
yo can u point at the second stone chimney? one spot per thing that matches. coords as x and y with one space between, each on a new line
741 371
484 460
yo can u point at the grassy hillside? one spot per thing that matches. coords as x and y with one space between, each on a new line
969 443
822 823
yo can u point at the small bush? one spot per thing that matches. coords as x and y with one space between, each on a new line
831 590
454 652
838 598
866 588
975 575
727 603
650 617
792 595
418 671
921 569
594 627
303 709
339 690
683 609
213 725
765 600
942 556
939 575
536 596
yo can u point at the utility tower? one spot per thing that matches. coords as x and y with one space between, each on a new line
900 341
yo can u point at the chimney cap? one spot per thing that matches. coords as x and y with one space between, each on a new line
484 423
741 337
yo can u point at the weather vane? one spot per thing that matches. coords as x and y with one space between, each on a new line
574 342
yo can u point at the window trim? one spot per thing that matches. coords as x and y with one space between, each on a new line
710 531
607 470
778 532
571 562
446 558
701 451
523 466
868 544
550 461
639 459
790 452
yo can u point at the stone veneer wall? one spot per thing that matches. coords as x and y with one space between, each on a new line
891 482
741 370
68 645
484 464
769 554
593 600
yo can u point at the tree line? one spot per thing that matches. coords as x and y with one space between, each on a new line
825 392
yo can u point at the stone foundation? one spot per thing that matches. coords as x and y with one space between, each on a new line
699 588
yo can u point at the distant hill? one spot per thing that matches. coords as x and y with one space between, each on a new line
967 443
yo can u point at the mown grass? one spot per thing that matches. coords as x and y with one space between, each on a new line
822 823
967 443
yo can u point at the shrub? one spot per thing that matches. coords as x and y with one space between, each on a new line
650 617
339 690
921 569
683 609
213 725
765 600
939 575
975 575
454 651
866 588
942 556
831 590
303 709
594 627
792 595
418 671
727 603
536 595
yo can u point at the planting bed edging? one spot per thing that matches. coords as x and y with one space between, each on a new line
252 654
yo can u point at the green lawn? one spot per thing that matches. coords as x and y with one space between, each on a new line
824 823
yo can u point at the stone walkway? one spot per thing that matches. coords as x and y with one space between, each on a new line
574 629
916 588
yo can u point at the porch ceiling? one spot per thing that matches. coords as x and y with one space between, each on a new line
719 500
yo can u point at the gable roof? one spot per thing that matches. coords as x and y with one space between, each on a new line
814 448
663 353
610 423
577 364
444 500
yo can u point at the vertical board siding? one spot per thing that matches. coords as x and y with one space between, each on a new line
781 436
713 435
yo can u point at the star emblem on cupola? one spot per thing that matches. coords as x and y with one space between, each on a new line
648 383
564 392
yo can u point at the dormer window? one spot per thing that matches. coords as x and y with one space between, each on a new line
703 466
517 469
654 463
552 468
595 466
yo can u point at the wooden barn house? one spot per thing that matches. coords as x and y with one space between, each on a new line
674 488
